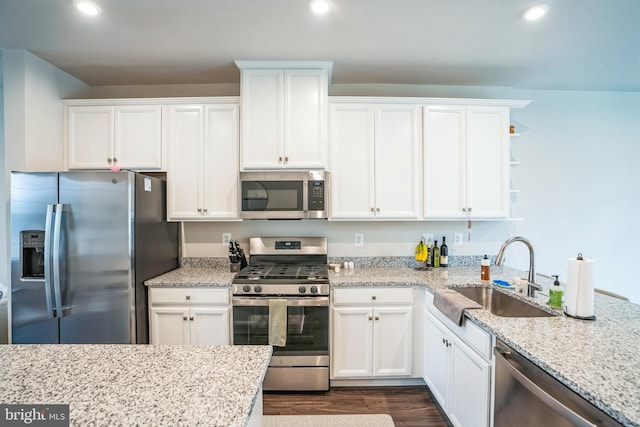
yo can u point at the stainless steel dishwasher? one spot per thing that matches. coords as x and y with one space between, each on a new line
526 396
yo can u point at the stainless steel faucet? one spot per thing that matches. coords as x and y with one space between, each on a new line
531 286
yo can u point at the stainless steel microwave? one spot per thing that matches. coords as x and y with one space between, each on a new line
284 194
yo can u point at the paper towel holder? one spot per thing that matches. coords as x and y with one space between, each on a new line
593 317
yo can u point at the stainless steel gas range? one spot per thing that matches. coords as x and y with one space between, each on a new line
292 270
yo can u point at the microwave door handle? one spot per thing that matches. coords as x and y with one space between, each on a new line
305 198
48 228
56 259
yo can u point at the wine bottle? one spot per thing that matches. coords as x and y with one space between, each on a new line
444 253
435 259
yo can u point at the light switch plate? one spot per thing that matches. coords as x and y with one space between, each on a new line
226 238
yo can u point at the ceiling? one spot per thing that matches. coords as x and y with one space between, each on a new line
579 45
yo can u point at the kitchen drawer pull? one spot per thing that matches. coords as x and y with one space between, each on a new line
188 297
373 297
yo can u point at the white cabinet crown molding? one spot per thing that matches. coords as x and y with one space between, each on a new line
469 102
291 65
144 101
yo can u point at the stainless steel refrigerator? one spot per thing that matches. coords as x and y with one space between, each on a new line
82 245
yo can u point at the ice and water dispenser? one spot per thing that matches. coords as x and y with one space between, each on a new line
32 254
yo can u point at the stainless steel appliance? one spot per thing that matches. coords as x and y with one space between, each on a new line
284 194
82 244
295 270
527 396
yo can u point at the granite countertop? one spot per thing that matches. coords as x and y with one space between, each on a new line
599 360
137 384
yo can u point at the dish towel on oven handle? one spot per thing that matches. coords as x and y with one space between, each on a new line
278 322
453 304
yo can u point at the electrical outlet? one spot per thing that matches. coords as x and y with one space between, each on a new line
457 238
226 238
428 238
358 239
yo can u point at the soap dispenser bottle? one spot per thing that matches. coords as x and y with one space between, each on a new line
555 294
485 269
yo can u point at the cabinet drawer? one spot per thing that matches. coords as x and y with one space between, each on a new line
373 296
188 296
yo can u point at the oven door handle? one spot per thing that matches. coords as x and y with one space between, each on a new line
291 302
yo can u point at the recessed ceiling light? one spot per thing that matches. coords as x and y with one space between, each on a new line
535 12
319 6
87 7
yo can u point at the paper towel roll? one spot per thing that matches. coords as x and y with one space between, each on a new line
579 295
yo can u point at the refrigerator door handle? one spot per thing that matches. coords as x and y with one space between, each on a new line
47 261
56 260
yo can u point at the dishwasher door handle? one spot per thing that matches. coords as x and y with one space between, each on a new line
538 392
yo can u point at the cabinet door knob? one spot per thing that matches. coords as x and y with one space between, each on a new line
199 209
377 209
109 160
373 297
372 210
188 297
469 209
191 318
377 318
205 210
286 158
279 159
370 318
184 318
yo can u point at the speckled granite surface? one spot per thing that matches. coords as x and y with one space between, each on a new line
195 275
600 359
130 385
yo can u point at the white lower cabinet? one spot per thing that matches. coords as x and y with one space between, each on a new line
189 316
458 377
372 333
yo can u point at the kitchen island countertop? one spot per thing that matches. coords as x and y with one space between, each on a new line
137 384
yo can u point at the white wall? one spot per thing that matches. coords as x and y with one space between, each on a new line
579 154
34 114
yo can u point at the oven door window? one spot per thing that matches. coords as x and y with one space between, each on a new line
307 328
272 196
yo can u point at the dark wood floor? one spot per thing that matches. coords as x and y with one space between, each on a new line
408 406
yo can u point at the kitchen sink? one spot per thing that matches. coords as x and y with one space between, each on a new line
501 304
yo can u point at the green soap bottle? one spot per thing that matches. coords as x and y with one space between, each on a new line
555 294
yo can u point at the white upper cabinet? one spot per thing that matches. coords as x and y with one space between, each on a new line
284 114
466 162
202 170
99 136
375 161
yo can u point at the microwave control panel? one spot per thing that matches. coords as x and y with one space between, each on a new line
316 195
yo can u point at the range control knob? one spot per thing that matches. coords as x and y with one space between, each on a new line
257 289
246 288
314 289
302 289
